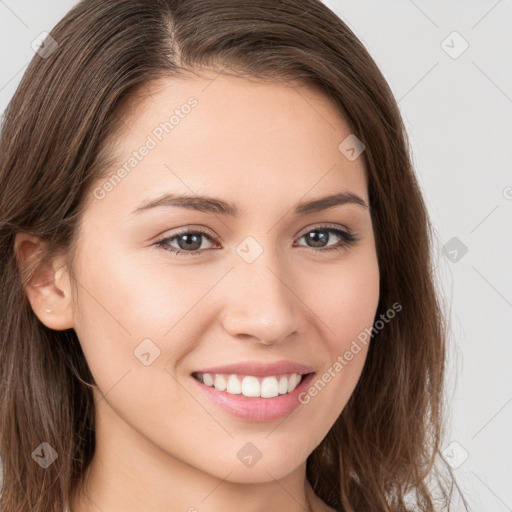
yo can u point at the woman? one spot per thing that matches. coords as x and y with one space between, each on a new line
217 280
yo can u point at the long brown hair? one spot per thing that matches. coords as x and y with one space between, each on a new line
383 449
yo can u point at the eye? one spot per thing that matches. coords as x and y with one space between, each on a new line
321 234
190 241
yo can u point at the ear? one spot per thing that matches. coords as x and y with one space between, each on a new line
48 291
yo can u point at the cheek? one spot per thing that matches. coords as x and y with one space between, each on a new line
345 298
124 301
144 296
347 308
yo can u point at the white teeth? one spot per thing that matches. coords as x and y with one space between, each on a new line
234 385
283 385
293 381
220 383
250 386
269 387
207 379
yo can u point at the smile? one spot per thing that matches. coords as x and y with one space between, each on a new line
250 385
253 402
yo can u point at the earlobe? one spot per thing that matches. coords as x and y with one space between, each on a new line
48 289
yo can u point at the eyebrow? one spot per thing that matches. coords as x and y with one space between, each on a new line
214 205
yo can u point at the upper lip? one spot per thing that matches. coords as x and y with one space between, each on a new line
260 369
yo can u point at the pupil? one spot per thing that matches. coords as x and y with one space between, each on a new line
315 237
187 244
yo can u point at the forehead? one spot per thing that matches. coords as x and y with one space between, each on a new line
240 139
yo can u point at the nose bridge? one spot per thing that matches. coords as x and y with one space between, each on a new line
260 302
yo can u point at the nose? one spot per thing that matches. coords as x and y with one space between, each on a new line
260 303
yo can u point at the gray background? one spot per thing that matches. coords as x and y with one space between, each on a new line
458 112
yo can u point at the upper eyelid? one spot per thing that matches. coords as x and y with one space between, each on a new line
206 232
203 230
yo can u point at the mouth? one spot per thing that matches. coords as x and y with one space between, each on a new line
254 398
255 390
252 386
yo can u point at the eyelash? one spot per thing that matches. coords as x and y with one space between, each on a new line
348 239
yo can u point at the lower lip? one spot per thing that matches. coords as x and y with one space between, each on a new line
256 408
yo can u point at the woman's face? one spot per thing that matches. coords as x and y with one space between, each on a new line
265 285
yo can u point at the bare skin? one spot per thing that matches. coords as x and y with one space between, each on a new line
162 445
